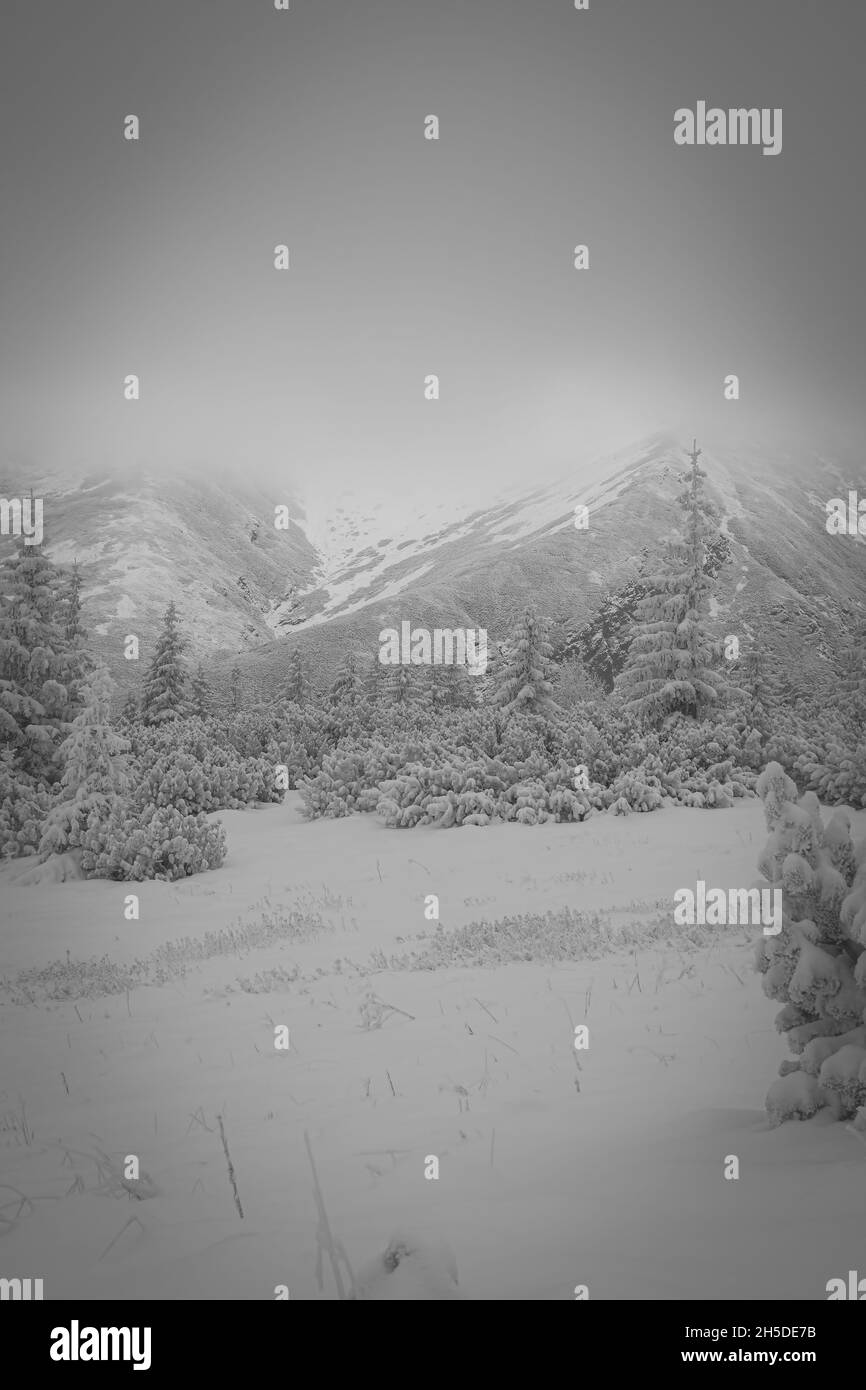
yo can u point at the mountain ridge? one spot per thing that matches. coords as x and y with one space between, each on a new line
247 593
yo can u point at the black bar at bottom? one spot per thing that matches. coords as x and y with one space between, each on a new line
156 1338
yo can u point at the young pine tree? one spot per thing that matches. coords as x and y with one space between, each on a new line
452 687
576 686
408 687
374 682
235 695
297 688
200 696
524 675
751 677
130 712
346 689
81 665
669 666
853 683
163 694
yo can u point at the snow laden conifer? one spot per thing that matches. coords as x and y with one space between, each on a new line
752 679
853 683
407 687
670 663
163 693
452 687
81 665
94 776
235 695
38 667
200 694
297 688
396 687
815 967
524 672
346 689
576 686
130 712
373 682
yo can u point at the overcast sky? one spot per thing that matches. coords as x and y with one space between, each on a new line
409 256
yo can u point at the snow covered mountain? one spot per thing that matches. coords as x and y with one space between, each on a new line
212 546
782 579
344 569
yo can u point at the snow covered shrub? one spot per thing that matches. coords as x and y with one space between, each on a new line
338 789
194 764
221 780
24 804
453 793
462 791
386 758
633 791
816 966
158 842
837 773
530 802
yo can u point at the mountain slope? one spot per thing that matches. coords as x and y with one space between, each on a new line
249 593
783 581
210 545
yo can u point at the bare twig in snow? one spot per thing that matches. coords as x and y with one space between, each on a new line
230 1167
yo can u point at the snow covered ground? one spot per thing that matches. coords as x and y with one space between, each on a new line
557 1168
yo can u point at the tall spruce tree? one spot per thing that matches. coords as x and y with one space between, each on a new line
38 666
524 673
669 666
163 694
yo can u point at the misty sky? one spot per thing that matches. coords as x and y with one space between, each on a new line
411 257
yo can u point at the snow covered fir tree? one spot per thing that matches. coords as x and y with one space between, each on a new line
164 685
39 659
672 659
524 679
816 965
297 687
93 781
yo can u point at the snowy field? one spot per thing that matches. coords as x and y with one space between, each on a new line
557 1168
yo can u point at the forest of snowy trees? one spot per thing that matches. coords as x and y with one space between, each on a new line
96 785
